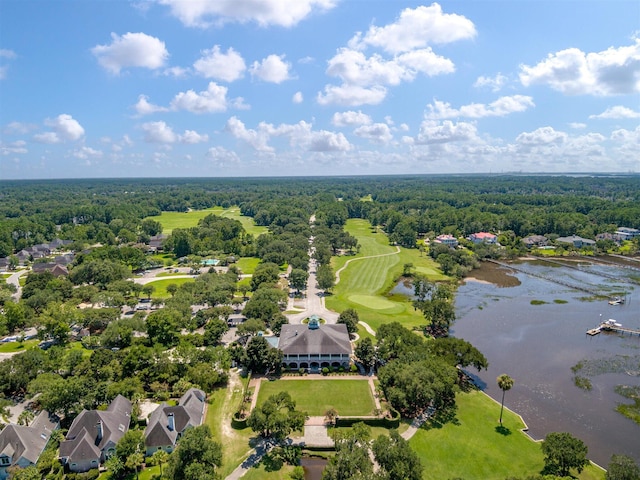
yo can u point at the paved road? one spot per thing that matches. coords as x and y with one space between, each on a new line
15 280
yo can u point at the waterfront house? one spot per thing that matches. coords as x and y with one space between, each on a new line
448 240
483 237
576 241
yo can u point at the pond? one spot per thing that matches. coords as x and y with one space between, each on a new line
313 467
538 342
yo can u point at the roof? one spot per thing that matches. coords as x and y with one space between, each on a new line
188 413
483 235
18 441
83 441
301 340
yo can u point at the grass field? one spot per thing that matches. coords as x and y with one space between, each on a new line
365 281
11 347
223 403
317 396
247 265
161 286
473 447
172 220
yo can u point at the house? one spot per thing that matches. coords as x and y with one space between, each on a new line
55 269
167 423
483 237
625 233
93 435
448 240
21 446
314 346
576 241
235 319
155 242
535 241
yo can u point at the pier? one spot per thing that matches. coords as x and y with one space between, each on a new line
608 327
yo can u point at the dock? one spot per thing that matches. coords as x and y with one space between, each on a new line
608 327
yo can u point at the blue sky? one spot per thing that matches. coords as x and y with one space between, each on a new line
212 88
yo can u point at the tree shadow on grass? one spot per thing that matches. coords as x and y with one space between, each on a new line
272 463
502 430
442 417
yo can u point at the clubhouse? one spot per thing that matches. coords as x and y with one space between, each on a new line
314 346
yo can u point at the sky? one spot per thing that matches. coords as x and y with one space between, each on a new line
236 88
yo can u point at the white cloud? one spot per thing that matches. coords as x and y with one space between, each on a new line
256 139
379 133
223 156
350 118
176 72
227 67
501 107
131 50
208 101
205 13
64 126
577 125
5 53
143 107
193 137
158 132
434 133
615 71
617 112
297 97
47 137
417 28
85 153
541 136
351 95
13 148
18 128
494 83
325 141
271 69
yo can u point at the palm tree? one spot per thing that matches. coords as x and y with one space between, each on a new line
505 382
160 457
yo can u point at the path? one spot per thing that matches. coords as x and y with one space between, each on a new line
417 423
368 328
363 258
14 279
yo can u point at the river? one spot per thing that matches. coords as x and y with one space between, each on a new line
537 344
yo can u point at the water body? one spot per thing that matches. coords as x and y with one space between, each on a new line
538 344
313 467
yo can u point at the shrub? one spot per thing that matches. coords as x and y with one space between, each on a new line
301 371
325 371
354 369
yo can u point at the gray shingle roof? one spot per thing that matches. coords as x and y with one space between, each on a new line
18 441
83 441
188 413
301 340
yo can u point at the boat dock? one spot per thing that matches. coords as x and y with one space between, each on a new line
610 326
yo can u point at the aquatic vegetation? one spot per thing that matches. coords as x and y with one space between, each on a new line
582 382
629 410
560 301
538 302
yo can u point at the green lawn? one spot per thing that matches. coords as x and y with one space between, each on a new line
247 265
365 282
11 347
172 220
263 471
472 446
161 286
235 443
317 396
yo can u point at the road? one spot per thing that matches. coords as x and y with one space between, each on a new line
15 280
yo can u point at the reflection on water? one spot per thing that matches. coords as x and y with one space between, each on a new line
313 467
538 344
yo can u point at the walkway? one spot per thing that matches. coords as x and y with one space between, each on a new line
14 279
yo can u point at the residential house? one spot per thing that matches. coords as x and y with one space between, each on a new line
576 241
625 233
535 241
93 435
155 242
235 319
483 237
21 445
448 240
315 346
167 423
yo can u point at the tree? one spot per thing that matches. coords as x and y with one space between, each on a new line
172 288
25 417
196 452
131 442
325 277
352 456
562 452
277 417
148 290
160 457
396 458
366 352
622 467
163 327
214 330
298 279
134 462
350 318
505 382
265 273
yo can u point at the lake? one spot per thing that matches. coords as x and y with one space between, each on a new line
538 344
